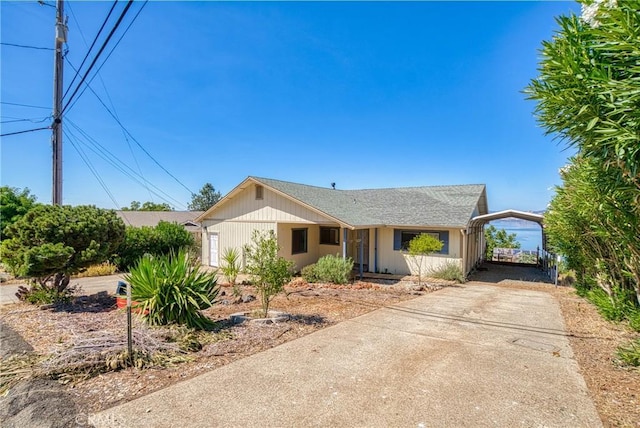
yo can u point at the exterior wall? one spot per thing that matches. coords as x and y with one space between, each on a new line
313 244
231 234
398 262
273 207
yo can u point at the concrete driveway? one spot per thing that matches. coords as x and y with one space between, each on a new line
88 286
474 355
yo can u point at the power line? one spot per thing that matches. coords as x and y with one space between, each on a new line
95 39
25 46
95 59
24 105
24 132
136 141
125 169
115 114
93 170
17 119
110 52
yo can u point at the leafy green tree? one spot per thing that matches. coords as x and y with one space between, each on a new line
588 94
270 272
204 199
588 90
498 238
161 239
14 203
421 246
50 243
147 206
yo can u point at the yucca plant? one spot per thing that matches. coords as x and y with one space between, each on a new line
172 289
231 267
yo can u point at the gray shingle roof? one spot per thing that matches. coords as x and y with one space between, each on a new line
152 218
447 206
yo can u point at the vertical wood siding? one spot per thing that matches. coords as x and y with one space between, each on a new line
273 207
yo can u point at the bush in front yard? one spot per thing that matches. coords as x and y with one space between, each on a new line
173 290
329 268
159 240
309 273
449 271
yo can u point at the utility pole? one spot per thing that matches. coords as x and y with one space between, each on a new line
56 138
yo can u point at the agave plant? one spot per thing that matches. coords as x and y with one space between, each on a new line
172 289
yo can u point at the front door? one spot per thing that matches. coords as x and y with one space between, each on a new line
360 249
213 250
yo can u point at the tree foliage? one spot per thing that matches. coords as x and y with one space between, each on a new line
270 272
204 199
588 94
498 238
51 243
158 240
588 89
421 246
147 206
14 203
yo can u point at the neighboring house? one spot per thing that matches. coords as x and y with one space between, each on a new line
372 226
152 218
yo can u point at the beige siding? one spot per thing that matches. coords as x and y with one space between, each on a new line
313 244
397 262
273 208
230 235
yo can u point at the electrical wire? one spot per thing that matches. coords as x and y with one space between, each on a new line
125 169
135 159
110 52
24 105
17 119
95 59
95 39
24 132
89 165
136 141
25 46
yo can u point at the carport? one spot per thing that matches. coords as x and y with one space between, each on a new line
475 241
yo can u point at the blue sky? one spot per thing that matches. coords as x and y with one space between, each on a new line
363 94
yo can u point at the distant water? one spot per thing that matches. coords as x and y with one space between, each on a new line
529 238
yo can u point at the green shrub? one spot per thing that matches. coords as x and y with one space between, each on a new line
630 355
173 290
450 271
309 273
159 240
231 267
39 295
634 319
614 308
333 269
270 272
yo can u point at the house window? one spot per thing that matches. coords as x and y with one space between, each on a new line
259 192
401 239
298 241
329 236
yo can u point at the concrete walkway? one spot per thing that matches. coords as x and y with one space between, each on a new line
474 355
